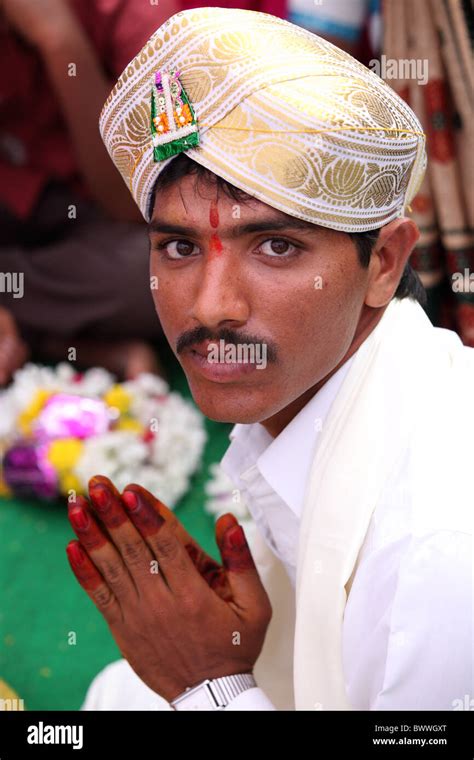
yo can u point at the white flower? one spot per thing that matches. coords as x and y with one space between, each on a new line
65 374
163 465
224 496
95 382
148 385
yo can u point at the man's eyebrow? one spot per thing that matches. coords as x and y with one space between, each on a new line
272 224
261 225
174 229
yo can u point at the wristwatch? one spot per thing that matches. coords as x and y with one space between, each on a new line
213 694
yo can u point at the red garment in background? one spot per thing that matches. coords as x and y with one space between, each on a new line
34 143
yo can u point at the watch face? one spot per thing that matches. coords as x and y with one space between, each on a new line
214 694
197 699
200 700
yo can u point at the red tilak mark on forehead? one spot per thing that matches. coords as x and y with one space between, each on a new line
214 215
216 248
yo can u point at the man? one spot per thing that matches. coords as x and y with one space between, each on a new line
276 212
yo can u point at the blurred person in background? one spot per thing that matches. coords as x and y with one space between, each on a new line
72 247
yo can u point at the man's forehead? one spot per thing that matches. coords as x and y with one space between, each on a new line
185 204
203 188
196 224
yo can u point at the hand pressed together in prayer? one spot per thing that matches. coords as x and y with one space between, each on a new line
177 616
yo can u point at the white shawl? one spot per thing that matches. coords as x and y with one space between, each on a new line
409 389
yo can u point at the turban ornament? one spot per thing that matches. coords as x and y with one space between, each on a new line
173 123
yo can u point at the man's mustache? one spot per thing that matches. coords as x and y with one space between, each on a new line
199 334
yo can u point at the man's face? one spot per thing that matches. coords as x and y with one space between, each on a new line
292 292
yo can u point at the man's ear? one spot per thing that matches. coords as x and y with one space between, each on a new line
395 242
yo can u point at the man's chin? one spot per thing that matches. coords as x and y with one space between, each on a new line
223 403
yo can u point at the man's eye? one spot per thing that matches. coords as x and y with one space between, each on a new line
277 247
178 249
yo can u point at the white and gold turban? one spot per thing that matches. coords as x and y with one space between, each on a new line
271 108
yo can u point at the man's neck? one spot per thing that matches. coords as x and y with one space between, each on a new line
274 425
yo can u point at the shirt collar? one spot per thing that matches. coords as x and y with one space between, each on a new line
285 461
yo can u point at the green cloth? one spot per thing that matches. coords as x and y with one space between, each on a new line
41 603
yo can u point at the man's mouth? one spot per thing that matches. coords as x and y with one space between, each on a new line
202 349
219 366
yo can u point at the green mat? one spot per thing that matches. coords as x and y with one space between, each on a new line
41 603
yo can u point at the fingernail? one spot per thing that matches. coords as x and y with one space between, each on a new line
236 537
131 501
79 519
101 496
144 515
75 553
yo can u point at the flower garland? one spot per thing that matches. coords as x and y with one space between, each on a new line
58 428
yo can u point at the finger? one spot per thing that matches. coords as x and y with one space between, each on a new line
174 561
107 504
213 573
219 581
247 589
223 523
199 555
100 549
209 569
105 501
92 582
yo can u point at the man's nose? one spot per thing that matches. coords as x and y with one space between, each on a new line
220 294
